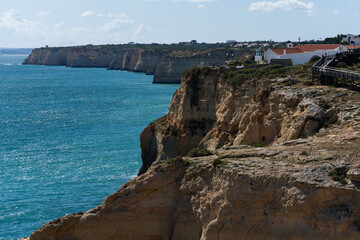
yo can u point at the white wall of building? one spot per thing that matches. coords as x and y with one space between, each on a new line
258 58
301 58
270 54
298 58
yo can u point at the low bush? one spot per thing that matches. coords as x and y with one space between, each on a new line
324 105
237 77
177 160
218 162
338 174
313 60
199 153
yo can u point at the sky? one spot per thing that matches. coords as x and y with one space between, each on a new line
37 23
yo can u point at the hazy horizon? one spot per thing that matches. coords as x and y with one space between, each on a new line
25 24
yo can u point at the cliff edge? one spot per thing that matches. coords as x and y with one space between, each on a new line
166 64
240 193
135 60
281 162
208 112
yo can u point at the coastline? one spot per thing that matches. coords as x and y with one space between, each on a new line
71 138
299 183
164 63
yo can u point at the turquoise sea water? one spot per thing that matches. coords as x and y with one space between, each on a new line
68 138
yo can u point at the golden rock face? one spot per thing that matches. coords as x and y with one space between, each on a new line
207 112
285 165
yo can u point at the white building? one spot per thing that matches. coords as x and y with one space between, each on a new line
352 39
259 56
302 53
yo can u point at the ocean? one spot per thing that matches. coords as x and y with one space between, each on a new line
69 137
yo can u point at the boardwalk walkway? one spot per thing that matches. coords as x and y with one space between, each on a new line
323 68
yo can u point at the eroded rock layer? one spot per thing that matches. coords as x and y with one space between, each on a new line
136 60
251 198
167 66
208 112
285 164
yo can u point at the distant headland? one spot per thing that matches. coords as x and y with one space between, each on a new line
15 51
166 62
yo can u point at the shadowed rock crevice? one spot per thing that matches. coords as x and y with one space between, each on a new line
164 62
208 112
171 201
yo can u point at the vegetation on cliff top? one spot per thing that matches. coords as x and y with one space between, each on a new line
193 47
237 76
199 153
351 62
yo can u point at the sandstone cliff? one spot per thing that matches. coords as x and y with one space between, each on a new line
167 66
171 69
238 194
136 60
47 56
208 112
284 165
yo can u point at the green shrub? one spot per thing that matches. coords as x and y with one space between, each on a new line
313 60
218 162
195 72
324 105
199 153
177 160
339 174
341 65
237 77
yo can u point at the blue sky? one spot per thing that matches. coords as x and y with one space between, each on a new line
37 23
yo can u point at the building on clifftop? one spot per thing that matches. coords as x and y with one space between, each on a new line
303 52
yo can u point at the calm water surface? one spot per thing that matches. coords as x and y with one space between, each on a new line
68 138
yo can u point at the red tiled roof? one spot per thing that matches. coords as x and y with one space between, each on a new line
280 51
307 48
317 47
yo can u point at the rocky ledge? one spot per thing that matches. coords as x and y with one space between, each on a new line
237 193
281 162
207 113
166 64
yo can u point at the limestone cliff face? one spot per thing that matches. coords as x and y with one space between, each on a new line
167 66
88 57
302 183
207 112
171 69
136 60
46 56
238 199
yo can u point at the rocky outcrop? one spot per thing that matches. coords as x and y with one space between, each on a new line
297 179
250 198
48 56
171 69
167 66
208 112
139 61
136 60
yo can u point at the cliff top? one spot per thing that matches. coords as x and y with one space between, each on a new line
323 157
154 46
274 158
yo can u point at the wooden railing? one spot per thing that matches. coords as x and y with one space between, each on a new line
321 68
